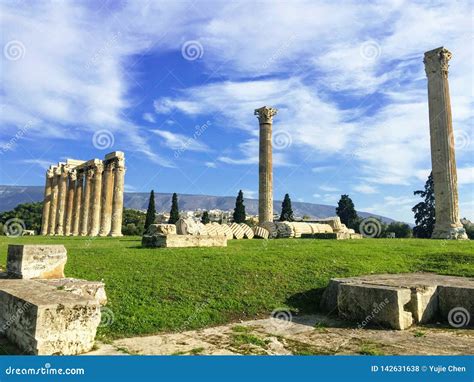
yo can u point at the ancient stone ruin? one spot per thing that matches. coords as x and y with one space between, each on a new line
85 198
398 301
443 161
190 233
265 168
42 312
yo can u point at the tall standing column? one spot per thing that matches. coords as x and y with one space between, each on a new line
47 201
71 188
54 201
62 191
76 217
84 230
106 200
443 161
96 198
117 200
265 167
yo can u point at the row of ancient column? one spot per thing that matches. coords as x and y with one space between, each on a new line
86 200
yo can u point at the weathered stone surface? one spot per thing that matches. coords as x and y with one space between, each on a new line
334 222
248 232
237 230
43 320
265 168
161 229
375 304
316 334
227 231
431 297
85 288
456 304
261 232
443 161
188 226
84 198
332 236
36 261
181 241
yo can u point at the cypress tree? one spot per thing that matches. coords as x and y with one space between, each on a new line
346 211
205 218
286 210
151 211
425 211
174 213
239 210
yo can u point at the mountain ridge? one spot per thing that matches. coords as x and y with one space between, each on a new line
11 196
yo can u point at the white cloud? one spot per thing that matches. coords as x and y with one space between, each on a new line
328 188
176 141
364 188
465 175
297 102
249 194
149 117
210 165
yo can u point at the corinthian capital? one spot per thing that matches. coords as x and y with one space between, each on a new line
73 175
437 61
265 114
50 172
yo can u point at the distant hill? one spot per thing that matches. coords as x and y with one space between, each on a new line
11 196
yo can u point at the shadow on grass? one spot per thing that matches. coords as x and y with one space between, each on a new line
306 302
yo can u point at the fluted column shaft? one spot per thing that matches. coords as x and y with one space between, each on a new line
443 161
117 200
84 230
62 192
76 217
47 202
71 188
54 201
106 200
265 166
96 200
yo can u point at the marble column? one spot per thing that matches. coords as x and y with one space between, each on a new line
47 201
117 199
71 188
265 167
94 225
84 230
76 217
443 161
62 192
106 199
54 201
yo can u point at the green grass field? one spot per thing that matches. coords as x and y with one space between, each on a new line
156 290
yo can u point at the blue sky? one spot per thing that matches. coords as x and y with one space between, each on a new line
174 84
